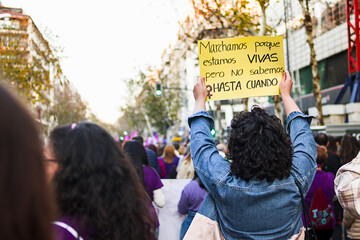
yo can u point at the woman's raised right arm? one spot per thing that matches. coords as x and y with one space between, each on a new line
285 91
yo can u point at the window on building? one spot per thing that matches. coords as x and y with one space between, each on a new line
333 72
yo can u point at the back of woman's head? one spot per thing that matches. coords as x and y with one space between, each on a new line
349 148
136 152
153 148
98 185
332 147
25 205
321 155
169 153
137 155
259 147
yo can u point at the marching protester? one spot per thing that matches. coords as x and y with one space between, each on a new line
319 199
331 164
148 176
186 168
151 154
25 203
191 199
170 160
254 194
98 192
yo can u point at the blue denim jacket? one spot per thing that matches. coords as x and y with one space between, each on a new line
255 209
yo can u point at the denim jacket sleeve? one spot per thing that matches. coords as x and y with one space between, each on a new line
305 150
208 163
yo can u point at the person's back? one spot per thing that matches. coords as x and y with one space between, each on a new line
148 177
153 159
186 168
192 196
170 161
254 196
321 210
332 163
151 155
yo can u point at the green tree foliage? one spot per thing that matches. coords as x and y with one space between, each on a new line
156 113
222 17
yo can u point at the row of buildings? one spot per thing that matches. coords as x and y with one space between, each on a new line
180 64
28 63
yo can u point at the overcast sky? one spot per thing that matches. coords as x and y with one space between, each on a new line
106 41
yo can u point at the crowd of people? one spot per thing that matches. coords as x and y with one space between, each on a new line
268 182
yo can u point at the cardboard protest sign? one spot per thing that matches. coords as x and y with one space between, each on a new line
241 67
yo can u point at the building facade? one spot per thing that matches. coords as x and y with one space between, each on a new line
27 62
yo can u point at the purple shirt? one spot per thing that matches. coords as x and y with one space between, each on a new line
170 166
325 181
192 197
152 181
63 234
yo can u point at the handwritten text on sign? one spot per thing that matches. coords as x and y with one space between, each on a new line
241 67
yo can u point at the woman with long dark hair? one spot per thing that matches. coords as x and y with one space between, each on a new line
25 204
149 177
349 148
97 188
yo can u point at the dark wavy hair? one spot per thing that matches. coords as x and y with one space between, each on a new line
97 185
349 148
332 147
259 146
25 203
137 155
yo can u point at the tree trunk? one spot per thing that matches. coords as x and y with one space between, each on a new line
246 104
313 62
278 110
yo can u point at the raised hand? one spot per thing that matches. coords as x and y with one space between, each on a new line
200 94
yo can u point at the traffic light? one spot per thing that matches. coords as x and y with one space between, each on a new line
213 132
158 89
